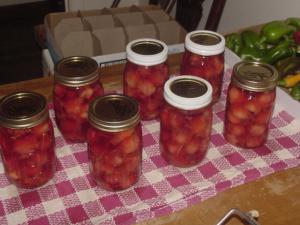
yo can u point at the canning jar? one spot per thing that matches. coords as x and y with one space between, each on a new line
250 102
76 85
26 139
145 73
186 120
204 57
115 141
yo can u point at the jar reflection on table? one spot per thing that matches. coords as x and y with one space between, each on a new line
250 102
145 73
115 142
204 57
26 139
76 85
186 120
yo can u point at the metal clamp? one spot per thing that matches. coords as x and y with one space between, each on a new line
246 218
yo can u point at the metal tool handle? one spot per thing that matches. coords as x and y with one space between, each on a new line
245 218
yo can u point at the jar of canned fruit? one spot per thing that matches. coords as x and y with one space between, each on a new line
76 85
26 139
250 102
115 141
186 120
204 57
145 74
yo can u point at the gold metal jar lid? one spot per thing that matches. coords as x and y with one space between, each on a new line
255 76
23 110
113 113
76 71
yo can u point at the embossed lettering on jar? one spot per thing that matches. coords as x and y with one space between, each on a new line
76 85
145 74
250 102
186 120
204 57
26 139
115 141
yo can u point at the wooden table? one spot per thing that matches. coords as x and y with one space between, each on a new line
276 197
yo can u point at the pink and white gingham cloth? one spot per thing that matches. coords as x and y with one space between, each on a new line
72 197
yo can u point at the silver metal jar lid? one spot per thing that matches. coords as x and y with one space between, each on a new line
188 92
113 113
205 42
23 110
76 71
255 76
147 52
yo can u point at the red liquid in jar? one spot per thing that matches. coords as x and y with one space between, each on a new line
210 68
28 154
185 136
71 108
248 115
115 157
145 84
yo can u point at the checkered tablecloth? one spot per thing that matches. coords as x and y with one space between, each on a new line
73 197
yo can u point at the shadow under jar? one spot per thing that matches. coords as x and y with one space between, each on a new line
250 102
27 139
76 85
145 73
115 141
204 57
186 120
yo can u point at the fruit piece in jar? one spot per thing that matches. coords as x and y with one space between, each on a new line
26 145
253 107
131 79
120 136
254 142
146 88
265 99
257 129
240 112
130 144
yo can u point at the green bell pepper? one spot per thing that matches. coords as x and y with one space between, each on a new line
276 30
282 50
253 39
234 42
295 92
293 22
251 54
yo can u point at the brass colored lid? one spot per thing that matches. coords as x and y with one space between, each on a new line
255 76
23 110
76 71
113 113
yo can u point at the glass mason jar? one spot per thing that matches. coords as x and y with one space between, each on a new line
186 120
204 57
115 141
145 74
26 139
250 102
76 85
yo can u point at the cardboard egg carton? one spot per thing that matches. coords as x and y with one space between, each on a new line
104 33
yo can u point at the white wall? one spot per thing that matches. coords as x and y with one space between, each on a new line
243 13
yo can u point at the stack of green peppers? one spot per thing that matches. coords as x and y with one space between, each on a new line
273 43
